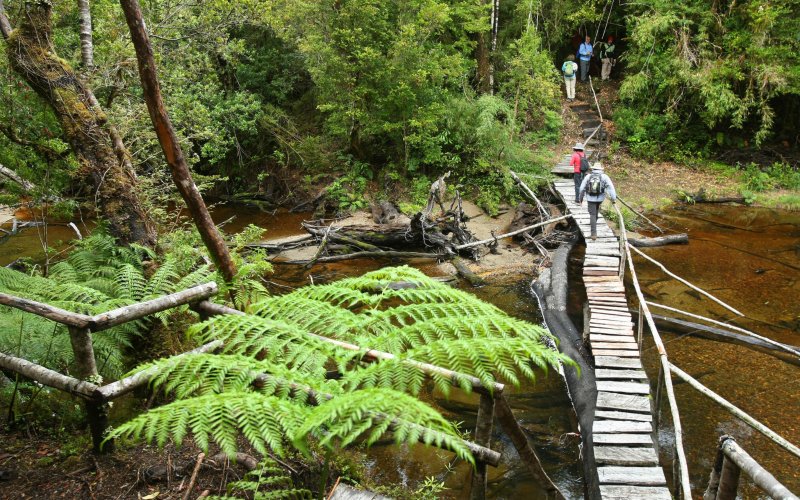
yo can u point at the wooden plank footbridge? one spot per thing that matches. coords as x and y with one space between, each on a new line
626 415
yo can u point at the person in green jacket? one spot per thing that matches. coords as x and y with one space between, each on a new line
608 57
570 71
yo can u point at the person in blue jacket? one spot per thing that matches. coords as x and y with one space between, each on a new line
585 53
595 186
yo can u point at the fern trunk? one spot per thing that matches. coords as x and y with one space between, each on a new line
85 126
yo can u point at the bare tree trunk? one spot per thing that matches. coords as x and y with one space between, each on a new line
169 142
85 126
495 25
15 177
87 48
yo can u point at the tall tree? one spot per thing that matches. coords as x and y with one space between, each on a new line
168 139
101 155
87 47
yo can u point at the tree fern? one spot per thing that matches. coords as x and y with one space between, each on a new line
267 482
275 355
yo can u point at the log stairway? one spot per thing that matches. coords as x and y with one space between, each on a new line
626 460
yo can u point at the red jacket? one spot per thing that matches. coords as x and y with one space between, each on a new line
576 161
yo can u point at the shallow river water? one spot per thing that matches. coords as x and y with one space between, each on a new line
748 257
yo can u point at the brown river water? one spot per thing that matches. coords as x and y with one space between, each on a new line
748 257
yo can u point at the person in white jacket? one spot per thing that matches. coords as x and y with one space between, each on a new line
595 187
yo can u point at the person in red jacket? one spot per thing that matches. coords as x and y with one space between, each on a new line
575 162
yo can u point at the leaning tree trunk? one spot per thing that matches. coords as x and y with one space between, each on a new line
87 47
169 142
85 126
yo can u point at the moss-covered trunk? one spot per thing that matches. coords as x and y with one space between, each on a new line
114 186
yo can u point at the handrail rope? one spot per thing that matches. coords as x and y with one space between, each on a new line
684 483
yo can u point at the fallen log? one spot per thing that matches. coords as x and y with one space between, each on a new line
384 212
672 239
11 175
381 254
508 235
551 291
465 272
682 327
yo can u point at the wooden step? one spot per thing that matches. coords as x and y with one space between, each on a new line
627 346
623 402
621 427
613 362
622 455
623 415
624 387
619 374
633 476
611 338
641 440
615 352
623 492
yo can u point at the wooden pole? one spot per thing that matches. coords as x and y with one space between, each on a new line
171 145
138 379
623 240
641 215
483 437
52 313
693 287
48 377
728 480
716 469
135 311
752 422
375 355
732 327
657 400
686 491
86 368
761 477
505 417
529 193
640 327
512 233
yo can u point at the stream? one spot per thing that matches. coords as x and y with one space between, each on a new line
748 257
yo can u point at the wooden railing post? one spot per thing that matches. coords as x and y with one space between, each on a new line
483 437
728 480
86 366
657 400
713 480
640 327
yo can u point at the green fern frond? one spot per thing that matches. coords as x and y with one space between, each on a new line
309 314
268 340
130 282
163 280
220 418
267 482
370 413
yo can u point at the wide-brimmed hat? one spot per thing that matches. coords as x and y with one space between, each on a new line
578 145
597 166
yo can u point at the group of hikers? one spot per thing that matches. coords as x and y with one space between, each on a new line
592 183
585 52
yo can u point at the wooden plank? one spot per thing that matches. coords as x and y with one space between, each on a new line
611 338
623 402
625 387
623 455
623 439
619 374
613 362
624 492
623 415
615 352
627 346
621 427
611 308
636 476
603 279
614 316
600 271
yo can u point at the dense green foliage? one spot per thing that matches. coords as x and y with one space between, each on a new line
268 383
277 96
704 74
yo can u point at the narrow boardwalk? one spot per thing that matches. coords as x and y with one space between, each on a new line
626 460
627 463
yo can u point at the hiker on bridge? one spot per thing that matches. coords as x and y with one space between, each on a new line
608 57
595 186
585 52
579 163
570 71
